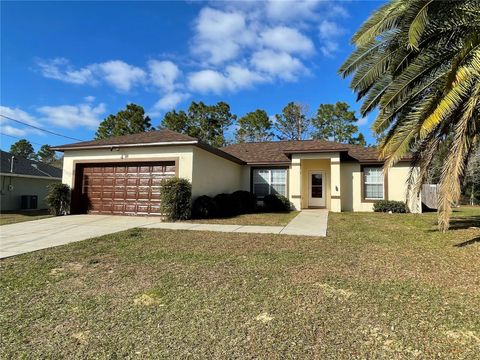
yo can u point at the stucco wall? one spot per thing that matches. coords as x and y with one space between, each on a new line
11 200
213 174
351 183
183 153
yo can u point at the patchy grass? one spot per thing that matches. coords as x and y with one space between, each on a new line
12 217
379 286
271 219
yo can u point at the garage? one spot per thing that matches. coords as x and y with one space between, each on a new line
131 188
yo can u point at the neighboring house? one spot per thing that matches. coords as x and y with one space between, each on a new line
24 182
122 175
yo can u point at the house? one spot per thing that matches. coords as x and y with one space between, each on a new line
24 182
122 175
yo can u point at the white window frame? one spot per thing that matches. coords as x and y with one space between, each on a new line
270 181
365 182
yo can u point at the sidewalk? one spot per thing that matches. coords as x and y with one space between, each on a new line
306 223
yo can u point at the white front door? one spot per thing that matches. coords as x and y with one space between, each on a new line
316 185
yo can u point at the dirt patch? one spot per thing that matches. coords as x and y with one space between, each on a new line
57 271
264 317
81 337
331 291
147 300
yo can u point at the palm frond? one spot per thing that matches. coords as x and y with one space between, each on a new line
418 25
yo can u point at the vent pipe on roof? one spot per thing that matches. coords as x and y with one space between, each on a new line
11 163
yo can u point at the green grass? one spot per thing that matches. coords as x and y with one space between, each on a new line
380 286
12 217
271 219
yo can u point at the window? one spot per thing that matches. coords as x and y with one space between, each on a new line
373 186
269 181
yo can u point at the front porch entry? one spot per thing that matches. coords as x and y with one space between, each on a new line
315 181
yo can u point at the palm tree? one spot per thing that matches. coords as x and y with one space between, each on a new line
418 63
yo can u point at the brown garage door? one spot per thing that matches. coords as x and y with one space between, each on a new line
123 189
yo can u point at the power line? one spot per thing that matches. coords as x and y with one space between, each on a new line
19 138
39 128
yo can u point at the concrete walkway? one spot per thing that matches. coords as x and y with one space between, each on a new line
34 235
311 222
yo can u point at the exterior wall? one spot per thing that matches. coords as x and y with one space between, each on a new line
184 154
11 200
351 184
213 174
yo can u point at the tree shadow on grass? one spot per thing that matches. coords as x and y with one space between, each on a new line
468 242
464 222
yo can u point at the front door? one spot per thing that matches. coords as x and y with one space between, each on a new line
316 196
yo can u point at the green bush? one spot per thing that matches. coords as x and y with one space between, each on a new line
245 201
390 206
204 207
225 205
276 203
175 196
58 199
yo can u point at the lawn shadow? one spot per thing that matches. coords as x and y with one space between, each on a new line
468 242
465 222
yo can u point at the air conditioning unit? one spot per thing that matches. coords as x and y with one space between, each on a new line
29 202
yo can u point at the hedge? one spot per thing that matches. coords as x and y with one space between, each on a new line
175 197
390 206
58 199
276 203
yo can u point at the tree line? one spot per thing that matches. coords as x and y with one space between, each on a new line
210 123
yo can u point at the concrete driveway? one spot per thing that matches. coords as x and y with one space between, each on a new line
45 233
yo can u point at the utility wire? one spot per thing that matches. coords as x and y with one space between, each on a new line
39 128
19 138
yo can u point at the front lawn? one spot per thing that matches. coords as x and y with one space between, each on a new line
379 286
12 217
271 219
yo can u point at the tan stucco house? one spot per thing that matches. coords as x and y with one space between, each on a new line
24 182
122 175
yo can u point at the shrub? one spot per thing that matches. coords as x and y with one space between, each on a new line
175 199
390 206
276 203
204 208
58 199
224 205
245 201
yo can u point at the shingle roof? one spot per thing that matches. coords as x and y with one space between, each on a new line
278 151
149 137
22 166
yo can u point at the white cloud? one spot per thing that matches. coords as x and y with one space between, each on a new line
13 131
60 69
287 39
117 73
328 32
170 101
220 35
234 78
278 64
18 114
163 74
362 121
120 74
283 10
207 81
72 116
89 98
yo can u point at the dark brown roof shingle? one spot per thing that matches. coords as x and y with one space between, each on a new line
272 152
149 137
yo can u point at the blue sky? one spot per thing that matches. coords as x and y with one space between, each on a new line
66 65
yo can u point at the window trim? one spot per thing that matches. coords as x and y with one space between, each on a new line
253 168
362 183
